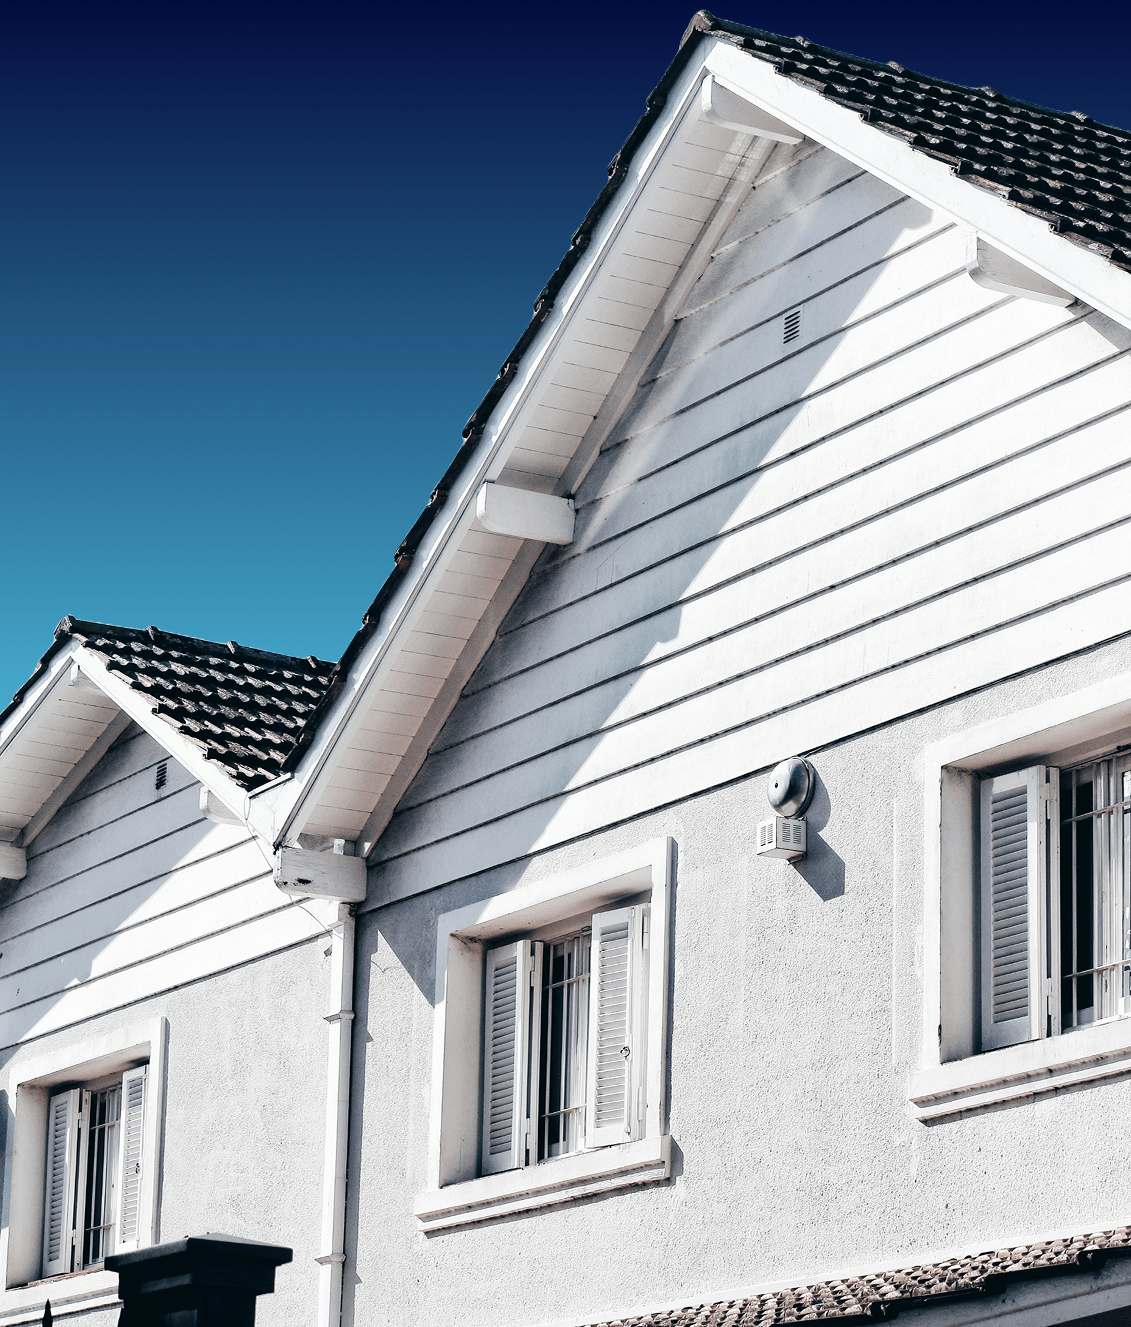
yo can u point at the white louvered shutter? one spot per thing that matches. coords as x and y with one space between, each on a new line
508 1020
59 1197
617 1033
1018 860
131 1162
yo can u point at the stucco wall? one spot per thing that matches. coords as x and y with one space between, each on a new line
244 1113
796 1018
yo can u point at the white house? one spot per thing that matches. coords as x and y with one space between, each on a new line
818 445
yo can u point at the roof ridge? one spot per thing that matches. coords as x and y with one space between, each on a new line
70 626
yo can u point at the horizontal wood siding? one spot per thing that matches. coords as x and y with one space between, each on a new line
787 541
129 892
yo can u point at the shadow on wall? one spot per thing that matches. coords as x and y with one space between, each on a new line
77 901
583 632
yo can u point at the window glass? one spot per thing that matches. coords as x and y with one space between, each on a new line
564 1042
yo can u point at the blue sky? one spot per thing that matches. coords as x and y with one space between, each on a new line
258 264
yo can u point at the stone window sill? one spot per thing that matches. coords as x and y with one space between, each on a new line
74 1292
552 1182
1017 1073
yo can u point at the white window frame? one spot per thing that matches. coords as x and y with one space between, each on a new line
31 1084
954 1078
456 1193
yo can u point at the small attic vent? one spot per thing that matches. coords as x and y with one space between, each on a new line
791 326
161 778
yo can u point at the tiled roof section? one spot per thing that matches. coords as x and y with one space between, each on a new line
1061 166
245 708
883 1295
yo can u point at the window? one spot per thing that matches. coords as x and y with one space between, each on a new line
1056 945
550 1032
566 1043
82 1165
1027 905
93 1172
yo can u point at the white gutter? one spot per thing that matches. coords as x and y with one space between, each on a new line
340 1022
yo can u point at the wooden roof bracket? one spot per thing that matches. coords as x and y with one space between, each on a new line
729 110
993 270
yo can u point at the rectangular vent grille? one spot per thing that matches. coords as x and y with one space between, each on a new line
161 778
791 326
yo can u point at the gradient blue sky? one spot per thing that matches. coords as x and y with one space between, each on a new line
259 263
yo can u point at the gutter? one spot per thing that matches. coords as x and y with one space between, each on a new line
336 1159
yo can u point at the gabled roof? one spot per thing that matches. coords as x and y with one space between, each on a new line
1050 189
243 708
884 1294
1063 167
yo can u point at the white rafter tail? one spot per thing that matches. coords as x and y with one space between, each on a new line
721 106
218 812
521 514
320 874
993 270
13 862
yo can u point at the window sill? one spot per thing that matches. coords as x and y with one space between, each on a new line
557 1181
1019 1072
74 1292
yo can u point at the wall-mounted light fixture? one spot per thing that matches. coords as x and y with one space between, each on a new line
790 790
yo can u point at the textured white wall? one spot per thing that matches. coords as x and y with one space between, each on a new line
796 1021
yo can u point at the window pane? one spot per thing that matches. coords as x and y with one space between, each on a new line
565 1013
101 1159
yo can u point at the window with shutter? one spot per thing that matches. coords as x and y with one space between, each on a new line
59 1204
131 1157
1016 837
565 1041
506 1057
616 1042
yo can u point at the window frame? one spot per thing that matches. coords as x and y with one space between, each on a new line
32 1082
955 1077
457 1193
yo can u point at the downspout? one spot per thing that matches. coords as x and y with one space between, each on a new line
340 1023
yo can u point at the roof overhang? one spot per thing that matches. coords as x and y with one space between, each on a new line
561 399
65 722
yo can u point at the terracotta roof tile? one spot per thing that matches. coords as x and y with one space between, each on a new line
883 1294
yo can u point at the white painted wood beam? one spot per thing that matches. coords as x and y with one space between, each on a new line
13 862
218 812
320 874
86 763
993 270
521 514
719 105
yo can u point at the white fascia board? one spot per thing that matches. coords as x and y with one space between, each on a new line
184 752
1022 236
279 812
36 694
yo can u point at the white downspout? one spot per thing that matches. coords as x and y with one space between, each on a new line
340 1022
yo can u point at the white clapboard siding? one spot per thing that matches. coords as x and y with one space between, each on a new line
193 853
806 550
785 543
187 891
121 949
1073 625
780 519
130 891
777 683
685 526
266 934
